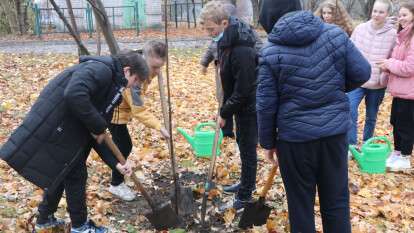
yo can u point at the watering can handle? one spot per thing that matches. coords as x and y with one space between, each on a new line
202 125
379 138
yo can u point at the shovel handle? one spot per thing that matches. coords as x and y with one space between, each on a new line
115 150
269 181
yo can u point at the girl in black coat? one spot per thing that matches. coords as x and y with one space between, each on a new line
51 146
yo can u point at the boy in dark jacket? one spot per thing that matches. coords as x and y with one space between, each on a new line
303 115
237 63
52 144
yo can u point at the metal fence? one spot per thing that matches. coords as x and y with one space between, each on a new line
183 12
121 17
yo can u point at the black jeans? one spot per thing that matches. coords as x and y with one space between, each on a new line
402 119
246 137
122 139
74 185
228 128
321 163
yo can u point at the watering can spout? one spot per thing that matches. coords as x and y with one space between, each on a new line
189 138
357 155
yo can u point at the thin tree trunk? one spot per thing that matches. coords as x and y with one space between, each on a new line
9 10
72 17
98 40
73 21
102 20
255 4
83 50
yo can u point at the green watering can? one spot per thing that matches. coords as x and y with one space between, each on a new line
373 156
203 138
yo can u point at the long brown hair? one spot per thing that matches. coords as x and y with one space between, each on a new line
340 15
409 5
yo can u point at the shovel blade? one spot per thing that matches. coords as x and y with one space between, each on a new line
255 213
186 201
163 217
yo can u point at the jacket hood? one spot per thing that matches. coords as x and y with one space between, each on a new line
272 10
112 63
387 26
296 29
237 33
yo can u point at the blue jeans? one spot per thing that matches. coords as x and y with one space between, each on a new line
373 99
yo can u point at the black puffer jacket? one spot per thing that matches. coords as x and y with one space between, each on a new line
76 103
238 60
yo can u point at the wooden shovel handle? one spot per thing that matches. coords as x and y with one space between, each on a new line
269 181
115 150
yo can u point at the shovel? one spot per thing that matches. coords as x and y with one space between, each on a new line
209 183
162 216
256 213
182 198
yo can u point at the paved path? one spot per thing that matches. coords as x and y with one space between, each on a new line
41 47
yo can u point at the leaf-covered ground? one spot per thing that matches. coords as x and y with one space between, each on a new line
379 203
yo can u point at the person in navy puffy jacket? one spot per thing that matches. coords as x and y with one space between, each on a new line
305 70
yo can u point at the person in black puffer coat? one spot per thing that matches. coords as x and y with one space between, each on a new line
237 62
51 146
303 115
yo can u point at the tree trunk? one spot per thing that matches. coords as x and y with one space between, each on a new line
72 17
255 4
98 40
8 8
73 22
83 50
102 20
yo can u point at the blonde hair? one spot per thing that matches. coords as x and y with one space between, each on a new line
340 15
214 11
388 2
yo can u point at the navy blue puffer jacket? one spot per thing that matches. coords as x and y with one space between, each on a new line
304 72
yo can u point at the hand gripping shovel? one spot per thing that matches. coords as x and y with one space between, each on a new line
182 198
163 216
257 213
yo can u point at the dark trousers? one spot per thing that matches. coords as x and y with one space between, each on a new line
402 119
323 164
246 137
74 185
122 139
228 128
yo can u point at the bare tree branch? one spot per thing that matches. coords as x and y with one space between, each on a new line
102 20
82 48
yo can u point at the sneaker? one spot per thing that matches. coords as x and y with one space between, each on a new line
89 227
231 189
393 156
400 163
52 222
122 191
236 204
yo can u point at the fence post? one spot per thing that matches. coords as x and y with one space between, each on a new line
188 15
89 20
176 15
194 14
38 26
113 18
136 10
